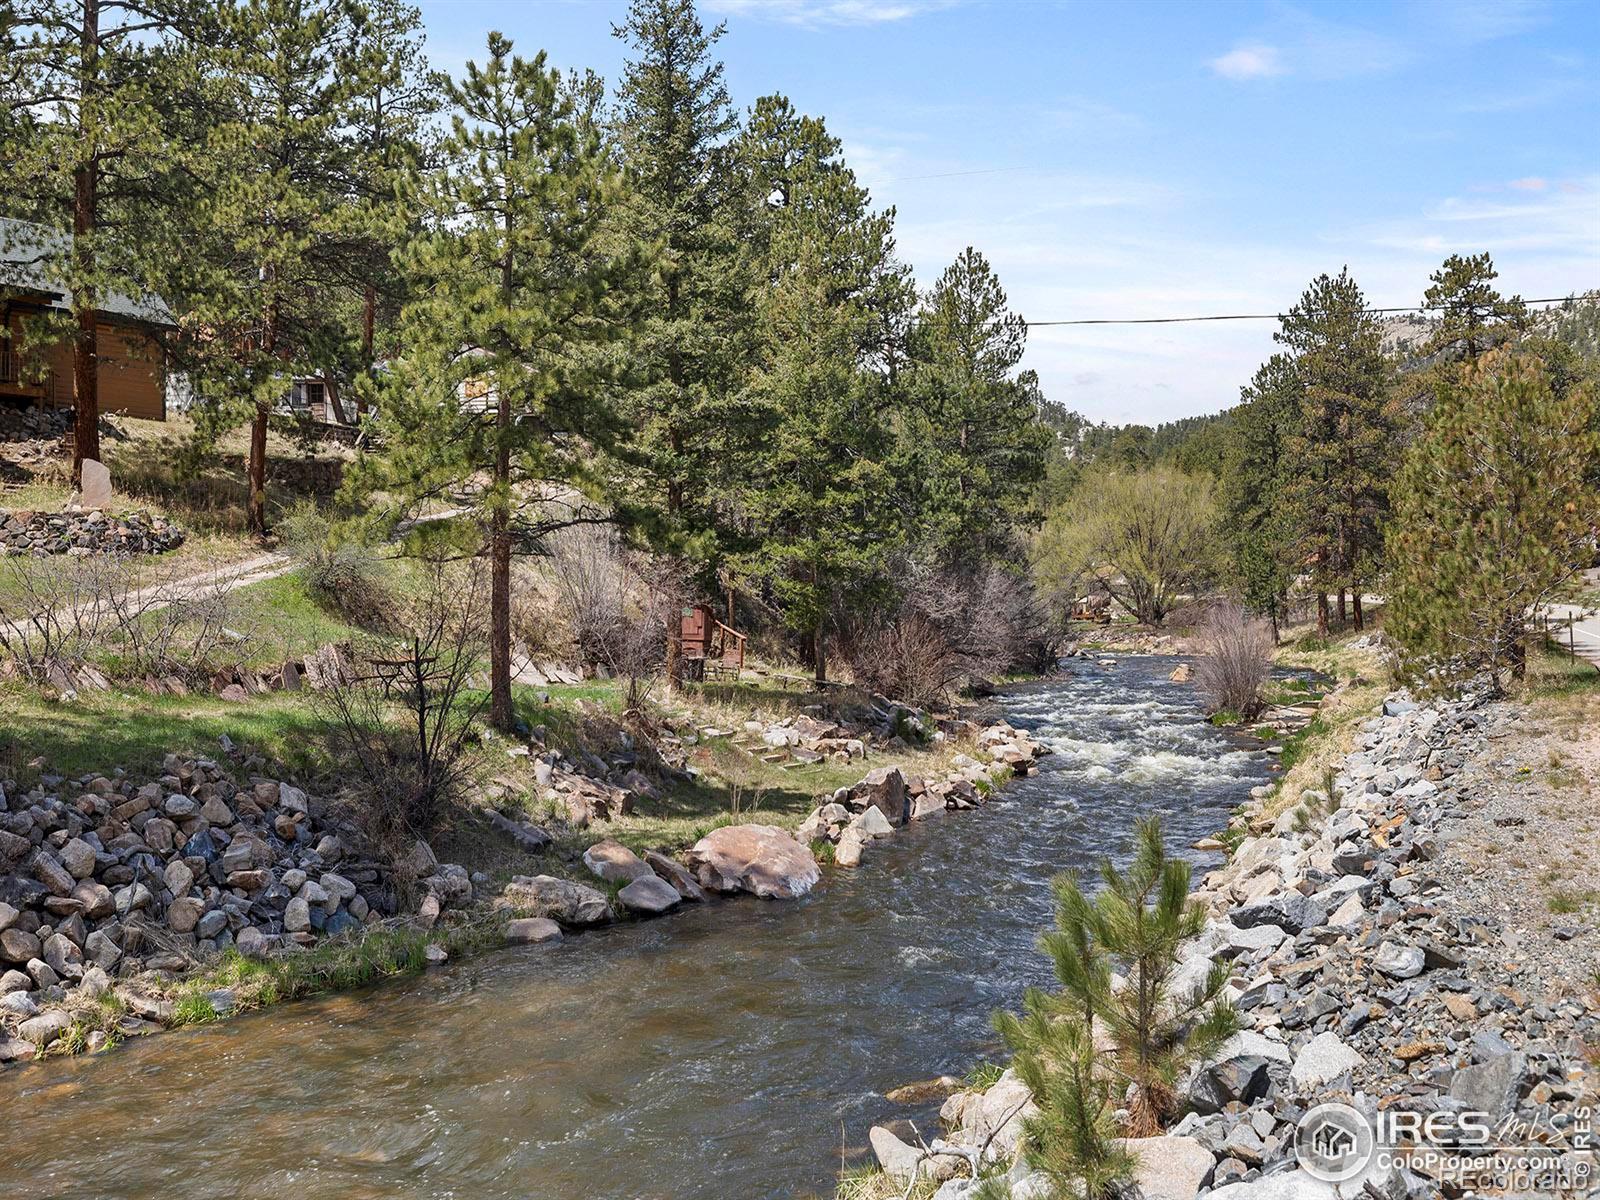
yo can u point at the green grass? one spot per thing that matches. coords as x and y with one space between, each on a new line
983 1076
1554 675
101 730
285 621
1567 900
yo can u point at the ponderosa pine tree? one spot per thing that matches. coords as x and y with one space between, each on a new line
82 86
814 498
1253 488
393 96
974 430
1340 457
502 402
1494 511
674 127
271 236
1473 316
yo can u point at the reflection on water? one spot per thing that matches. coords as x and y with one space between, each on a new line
724 1052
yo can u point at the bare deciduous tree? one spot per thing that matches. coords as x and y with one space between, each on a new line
1236 657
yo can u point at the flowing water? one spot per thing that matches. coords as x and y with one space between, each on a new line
723 1052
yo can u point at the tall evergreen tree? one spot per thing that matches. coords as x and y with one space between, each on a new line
501 402
1254 483
1473 316
975 429
1341 455
815 498
1495 510
393 97
81 89
271 232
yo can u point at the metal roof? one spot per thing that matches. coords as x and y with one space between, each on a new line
28 255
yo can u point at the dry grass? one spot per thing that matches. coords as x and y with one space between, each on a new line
1362 678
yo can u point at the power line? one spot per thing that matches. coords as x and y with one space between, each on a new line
1278 316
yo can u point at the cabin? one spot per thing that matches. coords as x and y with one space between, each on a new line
36 360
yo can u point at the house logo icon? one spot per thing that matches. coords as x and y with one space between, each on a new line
1333 1143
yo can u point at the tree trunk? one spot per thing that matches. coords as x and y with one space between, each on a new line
258 471
369 309
819 653
500 709
85 215
1341 608
1355 602
1322 614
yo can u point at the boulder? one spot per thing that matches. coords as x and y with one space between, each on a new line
649 893
760 859
614 862
1492 1087
185 913
18 946
1170 1168
564 901
848 851
872 824
78 857
532 931
1399 961
297 916
45 1028
675 873
1000 1111
884 788
1323 1060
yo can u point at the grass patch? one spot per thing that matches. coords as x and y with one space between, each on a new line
983 1076
1567 900
101 730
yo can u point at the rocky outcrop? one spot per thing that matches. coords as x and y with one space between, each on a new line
42 534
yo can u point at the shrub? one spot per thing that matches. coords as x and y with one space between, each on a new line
344 576
1235 660
403 725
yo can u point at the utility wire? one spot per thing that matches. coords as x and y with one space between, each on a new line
1278 316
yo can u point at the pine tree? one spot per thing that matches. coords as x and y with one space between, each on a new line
1494 511
975 433
675 128
393 96
503 401
815 494
1254 486
1473 316
271 237
1340 457
81 84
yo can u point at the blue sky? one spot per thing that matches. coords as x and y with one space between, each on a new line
1162 159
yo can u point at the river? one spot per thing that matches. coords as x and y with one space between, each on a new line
725 1052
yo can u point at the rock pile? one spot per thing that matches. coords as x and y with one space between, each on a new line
886 799
1358 979
42 534
102 879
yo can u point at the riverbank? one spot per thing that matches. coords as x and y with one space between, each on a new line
133 907
1414 938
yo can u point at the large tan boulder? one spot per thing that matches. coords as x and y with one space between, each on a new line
614 862
1170 1168
760 859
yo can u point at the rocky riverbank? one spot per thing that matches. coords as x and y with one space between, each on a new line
41 534
113 892
1378 963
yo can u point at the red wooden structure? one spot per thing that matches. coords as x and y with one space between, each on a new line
711 650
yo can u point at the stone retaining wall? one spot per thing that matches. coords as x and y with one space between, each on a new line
42 534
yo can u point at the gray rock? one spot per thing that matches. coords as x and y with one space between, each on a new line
1324 1058
297 916
569 903
532 931
79 858
614 862
649 894
1492 1087
1170 1168
45 1028
1399 961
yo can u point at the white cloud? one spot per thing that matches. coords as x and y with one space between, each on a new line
1531 183
812 14
1251 61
